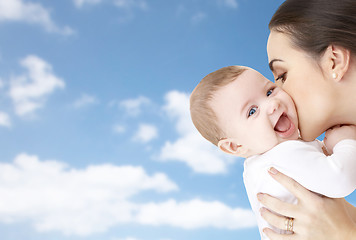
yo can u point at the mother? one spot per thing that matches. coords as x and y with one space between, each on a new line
312 54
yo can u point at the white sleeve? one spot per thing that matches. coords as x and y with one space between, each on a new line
333 176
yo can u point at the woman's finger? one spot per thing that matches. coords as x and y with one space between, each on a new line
276 205
272 235
274 219
294 187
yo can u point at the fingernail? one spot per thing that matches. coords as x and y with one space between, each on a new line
272 170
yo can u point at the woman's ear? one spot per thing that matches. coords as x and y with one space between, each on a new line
335 62
230 146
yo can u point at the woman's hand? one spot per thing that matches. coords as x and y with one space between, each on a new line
315 217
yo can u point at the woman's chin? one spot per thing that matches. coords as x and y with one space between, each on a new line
309 134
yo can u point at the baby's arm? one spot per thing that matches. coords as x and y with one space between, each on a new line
332 176
338 133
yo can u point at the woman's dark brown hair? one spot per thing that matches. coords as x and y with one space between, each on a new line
313 25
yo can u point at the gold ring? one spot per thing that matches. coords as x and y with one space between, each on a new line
289 224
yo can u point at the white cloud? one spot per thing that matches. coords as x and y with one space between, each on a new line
146 133
190 147
195 214
29 91
119 128
5 120
133 106
20 11
229 3
84 100
54 196
198 17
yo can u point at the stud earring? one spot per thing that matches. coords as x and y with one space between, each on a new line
334 75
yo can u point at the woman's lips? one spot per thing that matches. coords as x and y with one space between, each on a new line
284 126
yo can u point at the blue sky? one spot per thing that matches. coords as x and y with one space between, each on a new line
94 119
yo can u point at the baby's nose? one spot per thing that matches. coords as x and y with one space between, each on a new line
273 106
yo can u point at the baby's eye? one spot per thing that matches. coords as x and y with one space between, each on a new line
252 111
281 78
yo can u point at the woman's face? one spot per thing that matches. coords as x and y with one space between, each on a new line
301 77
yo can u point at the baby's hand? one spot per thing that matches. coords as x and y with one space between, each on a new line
337 133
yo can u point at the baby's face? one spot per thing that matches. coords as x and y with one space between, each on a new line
255 112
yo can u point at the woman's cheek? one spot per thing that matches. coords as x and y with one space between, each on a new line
313 115
304 107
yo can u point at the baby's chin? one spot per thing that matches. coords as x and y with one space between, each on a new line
273 141
279 139
294 136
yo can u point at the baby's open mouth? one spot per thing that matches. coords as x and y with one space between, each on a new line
284 126
283 123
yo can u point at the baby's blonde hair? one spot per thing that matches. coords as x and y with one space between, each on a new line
202 114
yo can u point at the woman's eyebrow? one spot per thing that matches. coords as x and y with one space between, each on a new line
271 63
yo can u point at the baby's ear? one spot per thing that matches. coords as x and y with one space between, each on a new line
230 146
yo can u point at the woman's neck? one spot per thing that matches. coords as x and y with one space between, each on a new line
345 108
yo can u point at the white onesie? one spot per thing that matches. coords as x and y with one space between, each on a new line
333 176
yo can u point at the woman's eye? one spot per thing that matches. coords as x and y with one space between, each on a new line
252 111
281 77
269 92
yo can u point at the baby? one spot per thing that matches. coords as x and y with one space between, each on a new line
246 115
